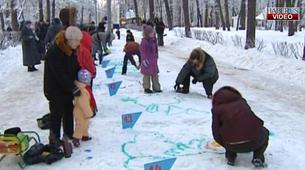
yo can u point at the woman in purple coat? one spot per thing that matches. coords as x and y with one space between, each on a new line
149 60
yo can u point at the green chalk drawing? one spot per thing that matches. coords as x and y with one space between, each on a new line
152 108
177 148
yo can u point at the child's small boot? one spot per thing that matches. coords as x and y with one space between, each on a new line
75 142
86 138
67 146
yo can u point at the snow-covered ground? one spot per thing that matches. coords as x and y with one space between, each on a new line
172 125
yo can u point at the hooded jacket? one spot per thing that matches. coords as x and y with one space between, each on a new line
233 120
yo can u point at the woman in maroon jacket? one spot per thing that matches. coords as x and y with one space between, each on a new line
237 128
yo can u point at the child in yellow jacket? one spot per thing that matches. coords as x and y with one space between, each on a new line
83 108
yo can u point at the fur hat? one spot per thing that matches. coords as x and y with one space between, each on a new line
147 29
67 16
73 33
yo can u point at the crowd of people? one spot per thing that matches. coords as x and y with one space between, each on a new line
69 53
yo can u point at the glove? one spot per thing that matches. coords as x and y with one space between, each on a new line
194 81
76 92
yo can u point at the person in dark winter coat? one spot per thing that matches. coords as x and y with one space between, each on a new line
92 28
129 36
149 60
41 31
54 28
131 48
61 68
118 33
99 43
31 56
202 67
236 127
160 27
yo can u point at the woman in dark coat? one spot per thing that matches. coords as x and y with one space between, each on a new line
237 128
202 67
61 67
31 56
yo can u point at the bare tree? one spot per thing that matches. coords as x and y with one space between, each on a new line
82 16
48 10
242 15
169 15
199 16
217 24
151 9
137 11
40 10
291 23
221 15
14 15
53 9
250 38
227 15
109 15
187 23
206 14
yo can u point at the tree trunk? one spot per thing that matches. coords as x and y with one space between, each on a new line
206 15
179 16
2 21
14 15
217 24
151 9
53 9
40 10
187 18
137 12
221 15
48 10
251 25
227 15
291 23
199 18
109 16
243 15
169 15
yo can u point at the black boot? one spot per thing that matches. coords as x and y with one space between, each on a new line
148 91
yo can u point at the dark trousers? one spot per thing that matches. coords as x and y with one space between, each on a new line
61 110
160 39
258 147
129 56
207 84
304 53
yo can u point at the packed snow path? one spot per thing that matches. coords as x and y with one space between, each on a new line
171 125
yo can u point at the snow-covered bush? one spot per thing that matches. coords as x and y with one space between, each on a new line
289 50
260 44
237 41
8 39
209 36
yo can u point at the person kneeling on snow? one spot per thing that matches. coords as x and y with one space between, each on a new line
84 106
131 48
202 67
236 127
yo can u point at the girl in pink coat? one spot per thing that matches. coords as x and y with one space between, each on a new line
149 60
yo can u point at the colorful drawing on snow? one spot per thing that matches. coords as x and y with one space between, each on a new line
105 63
114 87
173 147
110 72
172 107
160 165
129 120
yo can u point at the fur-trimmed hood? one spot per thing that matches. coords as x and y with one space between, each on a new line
62 43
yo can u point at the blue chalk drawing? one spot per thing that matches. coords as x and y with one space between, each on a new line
105 63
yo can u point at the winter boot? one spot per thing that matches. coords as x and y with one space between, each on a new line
75 142
53 140
67 146
258 163
86 138
231 161
148 91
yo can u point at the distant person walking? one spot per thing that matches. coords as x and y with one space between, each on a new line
31 56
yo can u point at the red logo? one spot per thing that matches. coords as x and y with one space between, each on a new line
283 14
